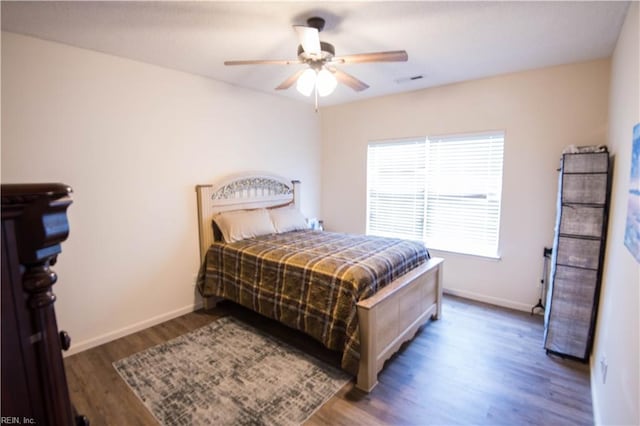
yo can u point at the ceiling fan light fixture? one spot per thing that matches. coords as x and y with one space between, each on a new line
326 82
306 82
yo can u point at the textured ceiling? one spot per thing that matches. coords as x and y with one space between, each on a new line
446 41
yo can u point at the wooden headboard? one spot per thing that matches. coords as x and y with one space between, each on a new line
244 191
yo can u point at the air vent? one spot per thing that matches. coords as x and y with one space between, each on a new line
409 79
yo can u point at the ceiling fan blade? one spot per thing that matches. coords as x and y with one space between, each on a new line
265 62
391 56
289 81
349 80
309 39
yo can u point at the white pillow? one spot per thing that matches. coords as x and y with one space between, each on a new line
287 219
237 225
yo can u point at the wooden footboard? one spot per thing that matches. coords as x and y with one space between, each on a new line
393 315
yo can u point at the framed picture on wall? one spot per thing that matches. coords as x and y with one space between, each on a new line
632 229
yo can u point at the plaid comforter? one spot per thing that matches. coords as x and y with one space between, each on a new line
309 280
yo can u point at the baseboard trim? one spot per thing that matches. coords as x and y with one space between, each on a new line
595 406
488 299
130 329
125 331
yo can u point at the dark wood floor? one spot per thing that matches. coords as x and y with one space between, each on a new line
479 364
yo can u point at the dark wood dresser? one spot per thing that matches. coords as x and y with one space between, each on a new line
34 385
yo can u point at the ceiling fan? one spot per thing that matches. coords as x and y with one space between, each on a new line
321 75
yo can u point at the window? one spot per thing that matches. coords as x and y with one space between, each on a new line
445 191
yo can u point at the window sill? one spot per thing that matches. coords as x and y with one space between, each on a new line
495 258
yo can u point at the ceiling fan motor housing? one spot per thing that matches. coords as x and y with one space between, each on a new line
328 51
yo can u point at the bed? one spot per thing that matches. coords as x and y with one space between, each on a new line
343 290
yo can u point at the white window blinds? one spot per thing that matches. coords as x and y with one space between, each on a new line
445 191
464 175
396 189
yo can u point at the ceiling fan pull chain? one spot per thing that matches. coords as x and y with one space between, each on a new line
315 89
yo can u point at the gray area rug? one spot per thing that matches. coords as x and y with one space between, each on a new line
228 373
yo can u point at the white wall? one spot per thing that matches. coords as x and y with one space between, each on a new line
617 402
541 112
133 140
